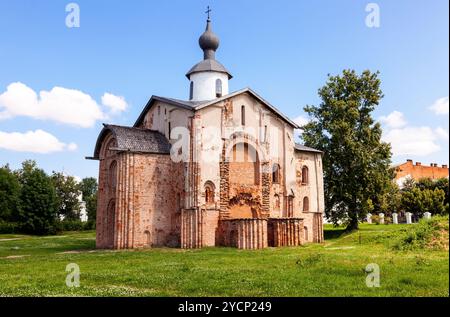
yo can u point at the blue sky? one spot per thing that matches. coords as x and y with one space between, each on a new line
281 49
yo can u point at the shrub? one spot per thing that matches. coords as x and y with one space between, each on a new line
9 227
375 219
76 225
432 234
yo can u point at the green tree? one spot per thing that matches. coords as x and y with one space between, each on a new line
441 183
67 191
9 195
390 201
89 189
418 201
38 200
356 162
436 202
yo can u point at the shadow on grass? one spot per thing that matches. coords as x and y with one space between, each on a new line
334 233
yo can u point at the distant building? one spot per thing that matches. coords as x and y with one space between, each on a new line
409 170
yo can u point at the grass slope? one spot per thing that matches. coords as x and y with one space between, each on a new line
31 266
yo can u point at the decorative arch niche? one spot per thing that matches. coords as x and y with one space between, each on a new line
209 190
110 223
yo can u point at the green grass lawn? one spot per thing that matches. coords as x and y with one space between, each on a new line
35 266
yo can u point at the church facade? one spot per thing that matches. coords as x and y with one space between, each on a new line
219 169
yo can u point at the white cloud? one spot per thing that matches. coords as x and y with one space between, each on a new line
68 106
301 120
420 141
115 103
395 119
442 133
440 106
37 141
72 146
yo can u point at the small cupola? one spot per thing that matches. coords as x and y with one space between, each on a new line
208 78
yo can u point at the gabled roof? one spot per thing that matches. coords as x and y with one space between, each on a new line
197 105
134 140
303 148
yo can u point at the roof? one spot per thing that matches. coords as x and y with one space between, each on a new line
303 148
197 105
134 140
208 65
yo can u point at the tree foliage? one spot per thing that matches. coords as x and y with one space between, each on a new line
38 214
89 189
356 161
425 195
9 195
67 192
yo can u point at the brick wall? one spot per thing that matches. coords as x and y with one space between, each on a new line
417 170
148 199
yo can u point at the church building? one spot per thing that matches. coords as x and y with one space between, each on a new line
219 169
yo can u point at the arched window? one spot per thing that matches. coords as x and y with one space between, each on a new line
276 203
305 204
242 115
191 90
209 192
218 88
276 173
112 175
305 178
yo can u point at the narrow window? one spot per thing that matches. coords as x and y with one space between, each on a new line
243 115
276 173
265 133
306 204
305 229
170 130
305 175
191 90
113 176
218 88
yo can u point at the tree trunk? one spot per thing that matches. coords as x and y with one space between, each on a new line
353 224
